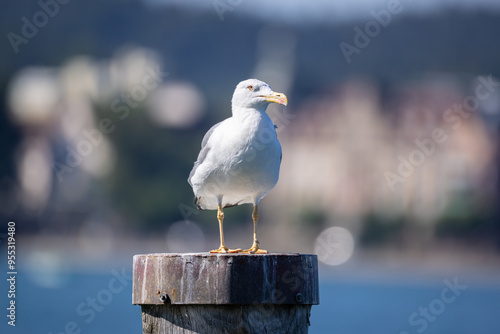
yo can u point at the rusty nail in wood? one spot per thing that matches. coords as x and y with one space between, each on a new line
299 298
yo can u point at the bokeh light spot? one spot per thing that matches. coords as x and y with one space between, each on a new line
334 246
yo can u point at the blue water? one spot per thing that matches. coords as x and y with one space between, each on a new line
98 302
364 307
65 307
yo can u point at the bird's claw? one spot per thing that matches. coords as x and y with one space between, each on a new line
225 250
254 249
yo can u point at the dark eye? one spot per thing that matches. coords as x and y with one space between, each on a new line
250 87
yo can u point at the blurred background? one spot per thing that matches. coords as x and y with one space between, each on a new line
390 168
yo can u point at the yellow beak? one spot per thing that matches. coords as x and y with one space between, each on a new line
279 98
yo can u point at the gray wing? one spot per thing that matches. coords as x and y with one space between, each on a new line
203 152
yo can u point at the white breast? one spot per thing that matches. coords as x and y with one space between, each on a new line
243 162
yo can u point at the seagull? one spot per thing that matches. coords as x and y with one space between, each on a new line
240 158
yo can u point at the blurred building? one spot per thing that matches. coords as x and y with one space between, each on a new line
350 155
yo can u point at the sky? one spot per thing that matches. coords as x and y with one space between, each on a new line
327 11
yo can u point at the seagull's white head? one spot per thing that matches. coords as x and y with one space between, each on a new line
253 93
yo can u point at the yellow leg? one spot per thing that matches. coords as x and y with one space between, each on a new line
222 248
255 247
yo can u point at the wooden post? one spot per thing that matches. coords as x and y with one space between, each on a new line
225 293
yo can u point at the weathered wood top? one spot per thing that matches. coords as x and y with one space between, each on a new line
204 278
